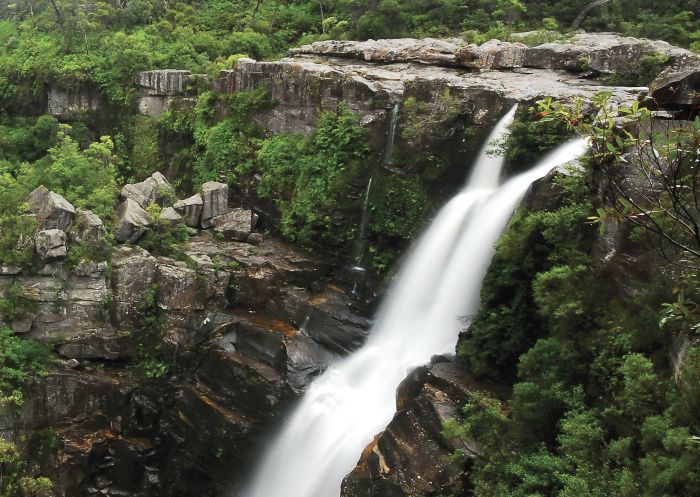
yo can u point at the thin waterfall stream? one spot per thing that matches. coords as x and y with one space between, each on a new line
421 316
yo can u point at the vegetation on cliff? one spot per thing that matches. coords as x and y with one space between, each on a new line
602 401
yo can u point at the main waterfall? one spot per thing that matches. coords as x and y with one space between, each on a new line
421 316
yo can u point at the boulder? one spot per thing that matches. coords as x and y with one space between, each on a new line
51 244
51 209
87 228
255 239
214 201
190 209
170 216
678 86
132 222
154 189
236 224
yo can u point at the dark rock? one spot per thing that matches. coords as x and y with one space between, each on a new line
409 458
678 86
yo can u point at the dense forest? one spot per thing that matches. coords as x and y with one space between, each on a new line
593 405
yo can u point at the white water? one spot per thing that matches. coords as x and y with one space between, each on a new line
389 148
421 316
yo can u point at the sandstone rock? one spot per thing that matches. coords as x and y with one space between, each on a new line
132 222
51 244
51 209
678 86
214 201
170 216
190 209
87 228
236 224
163 81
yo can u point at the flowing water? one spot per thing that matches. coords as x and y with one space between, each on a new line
389 149
421 316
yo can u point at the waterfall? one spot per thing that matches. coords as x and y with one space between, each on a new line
421 316
389 148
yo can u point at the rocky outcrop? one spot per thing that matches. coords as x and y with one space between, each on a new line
132 222
162 90
410 457
602 52
52 211
370 76
214 202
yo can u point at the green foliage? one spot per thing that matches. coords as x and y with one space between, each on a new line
20 360
397 209
14 479
532 134
643 72
86 178
308 177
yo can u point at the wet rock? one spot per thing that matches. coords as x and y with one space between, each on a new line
51 209
190 209
87 228
132 222
410 457
214 201
331 322
236 225
51 244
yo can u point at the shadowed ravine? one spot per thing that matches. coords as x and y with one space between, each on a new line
421 316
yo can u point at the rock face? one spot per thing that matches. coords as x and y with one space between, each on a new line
68 103
190 209
51 209
214 202
370 76
162 90
132 222
51 244
409 458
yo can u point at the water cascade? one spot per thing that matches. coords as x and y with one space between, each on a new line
389 148
421 316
